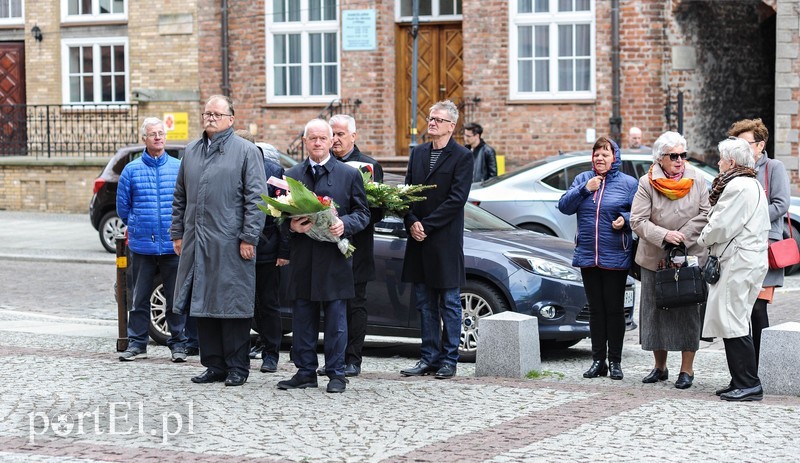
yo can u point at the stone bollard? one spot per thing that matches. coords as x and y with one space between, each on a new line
508 345
778 368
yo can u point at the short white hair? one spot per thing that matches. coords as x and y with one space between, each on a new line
447 106
314 122
150 121
667 140
344 119
738 151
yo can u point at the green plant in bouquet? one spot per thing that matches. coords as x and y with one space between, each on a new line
394 200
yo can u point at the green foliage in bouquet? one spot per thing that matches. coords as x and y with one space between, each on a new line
394 200
300 201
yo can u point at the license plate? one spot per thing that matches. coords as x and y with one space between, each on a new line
628 298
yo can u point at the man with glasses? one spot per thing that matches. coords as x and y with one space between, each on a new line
434 257
144 199
216 224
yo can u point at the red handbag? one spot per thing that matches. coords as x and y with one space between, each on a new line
785 252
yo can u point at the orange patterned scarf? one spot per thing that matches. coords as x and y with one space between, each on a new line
672 189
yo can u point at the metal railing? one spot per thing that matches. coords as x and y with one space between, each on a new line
337 106
47 131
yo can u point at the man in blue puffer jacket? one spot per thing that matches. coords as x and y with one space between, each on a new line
144 203
602 200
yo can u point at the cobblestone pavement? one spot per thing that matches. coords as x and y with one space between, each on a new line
65 397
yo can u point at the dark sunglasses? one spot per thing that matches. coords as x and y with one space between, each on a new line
675 156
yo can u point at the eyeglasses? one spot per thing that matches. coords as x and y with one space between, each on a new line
675 156
215 116
156 135
438 120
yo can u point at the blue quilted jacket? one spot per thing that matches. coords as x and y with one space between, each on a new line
597 244
144 202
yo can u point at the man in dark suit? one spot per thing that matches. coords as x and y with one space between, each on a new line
434 259
321 276
344 149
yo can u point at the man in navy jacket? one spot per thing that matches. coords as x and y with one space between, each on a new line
144 203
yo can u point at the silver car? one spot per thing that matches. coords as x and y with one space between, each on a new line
528 197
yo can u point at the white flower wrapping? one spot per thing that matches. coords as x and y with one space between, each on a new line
320 230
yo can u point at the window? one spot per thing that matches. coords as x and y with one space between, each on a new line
96 71
11 12
302 51
93 10
429 9
552 49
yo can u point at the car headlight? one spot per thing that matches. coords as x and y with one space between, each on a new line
544 267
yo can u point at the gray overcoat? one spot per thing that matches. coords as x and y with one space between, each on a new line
215 208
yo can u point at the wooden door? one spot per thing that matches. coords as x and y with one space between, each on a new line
440 75
13 113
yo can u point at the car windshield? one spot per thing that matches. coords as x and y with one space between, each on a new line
703 166
476 219
522 169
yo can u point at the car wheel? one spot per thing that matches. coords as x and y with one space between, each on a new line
796 235
478 300
552 344
537 228
158 329
110 226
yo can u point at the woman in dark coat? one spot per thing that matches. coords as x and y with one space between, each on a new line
602 199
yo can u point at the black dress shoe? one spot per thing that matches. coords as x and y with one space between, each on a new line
447 371
615 370
298 381
352 369
684 381
235 379
725 389
656 375
209 376
269 365
336 384
598 368
420 369
743 395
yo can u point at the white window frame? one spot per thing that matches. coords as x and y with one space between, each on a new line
553 18
14 20
95 15
96 43
304 27
434 16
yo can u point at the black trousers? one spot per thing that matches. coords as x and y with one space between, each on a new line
267 312
741 357
225 344
605 291
356 324
758 321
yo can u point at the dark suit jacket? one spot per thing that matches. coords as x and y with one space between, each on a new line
319 272
273 244
438 261
363 258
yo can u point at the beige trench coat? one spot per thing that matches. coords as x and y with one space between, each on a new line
741 218
653 215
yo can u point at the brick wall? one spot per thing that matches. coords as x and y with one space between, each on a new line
43 59
58 186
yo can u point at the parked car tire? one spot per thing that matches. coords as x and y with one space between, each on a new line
158 329
796 235
478 300
110 226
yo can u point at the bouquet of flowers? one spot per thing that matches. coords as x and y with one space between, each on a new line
299 201
395 200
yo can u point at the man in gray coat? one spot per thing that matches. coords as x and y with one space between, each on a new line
216 223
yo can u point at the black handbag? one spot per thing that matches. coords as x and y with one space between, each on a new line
636 270
678 285
711 270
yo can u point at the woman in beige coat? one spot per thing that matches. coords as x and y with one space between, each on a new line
738 225
669 208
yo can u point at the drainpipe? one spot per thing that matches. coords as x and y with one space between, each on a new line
616 120
226 86
414 77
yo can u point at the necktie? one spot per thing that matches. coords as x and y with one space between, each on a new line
318 170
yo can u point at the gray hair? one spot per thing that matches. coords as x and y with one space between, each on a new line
738 151
667 140
448 106
224 98
150 121
314 122
344 119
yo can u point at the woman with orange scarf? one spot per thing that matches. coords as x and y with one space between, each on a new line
669 209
